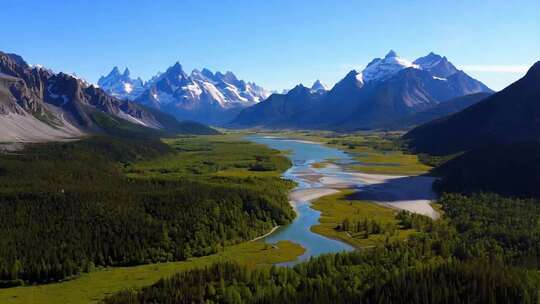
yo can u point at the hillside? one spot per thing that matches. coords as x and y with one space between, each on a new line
509 116
37 104
386 94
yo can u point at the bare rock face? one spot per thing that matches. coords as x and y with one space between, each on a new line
37 104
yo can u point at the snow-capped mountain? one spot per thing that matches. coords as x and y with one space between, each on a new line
435 64
203 96
121 85
37 104
318 85
381 69
385 94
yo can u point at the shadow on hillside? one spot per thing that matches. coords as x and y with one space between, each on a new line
398 189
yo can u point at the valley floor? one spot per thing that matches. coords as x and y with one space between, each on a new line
339 198
94 286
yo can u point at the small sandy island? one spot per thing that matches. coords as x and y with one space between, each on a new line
411 193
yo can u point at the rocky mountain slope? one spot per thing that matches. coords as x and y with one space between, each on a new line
204 96
39 105
509 116
389 89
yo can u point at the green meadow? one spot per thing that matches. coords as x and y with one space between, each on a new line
377 153
337 208
94 286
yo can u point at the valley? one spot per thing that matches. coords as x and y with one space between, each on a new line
263 152
232 159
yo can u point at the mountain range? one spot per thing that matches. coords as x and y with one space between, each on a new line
389 89
492 146
204 96
509 116
37 104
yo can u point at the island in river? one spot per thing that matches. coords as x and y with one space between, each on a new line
411 193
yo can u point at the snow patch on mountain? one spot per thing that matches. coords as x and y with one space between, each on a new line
382 69
121 85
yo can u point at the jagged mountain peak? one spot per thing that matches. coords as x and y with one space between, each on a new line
382 69
298 88
121 85
318 86
437 65
202 95
176 70
353 76
114 72
391 54
46 106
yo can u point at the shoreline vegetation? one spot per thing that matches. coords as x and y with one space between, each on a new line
475 255
206 156
376 153
220 160
94 286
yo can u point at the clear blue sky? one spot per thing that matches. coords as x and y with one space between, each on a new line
276 43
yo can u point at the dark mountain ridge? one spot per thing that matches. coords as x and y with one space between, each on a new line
509 116
388 90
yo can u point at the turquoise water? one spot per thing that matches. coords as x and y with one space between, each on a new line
302 156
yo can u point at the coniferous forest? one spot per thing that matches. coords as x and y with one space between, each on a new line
486 251
67 208
261 152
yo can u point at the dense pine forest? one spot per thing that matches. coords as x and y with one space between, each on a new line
485 250
67 208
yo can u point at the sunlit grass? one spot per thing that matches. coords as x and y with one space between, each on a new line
94 286
338 207
377 153
221 155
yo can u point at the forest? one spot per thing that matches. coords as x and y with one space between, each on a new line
486 249
70 207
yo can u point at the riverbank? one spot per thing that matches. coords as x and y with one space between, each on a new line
411 193
266 234
324 174
337 208
94 286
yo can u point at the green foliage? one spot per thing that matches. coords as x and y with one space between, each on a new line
480 254
205 156
66 208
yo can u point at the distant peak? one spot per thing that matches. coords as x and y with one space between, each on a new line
176 69
353 76
298 88
207 73
126 72
534 70
352 73
391 54
373 61
115 71
318 85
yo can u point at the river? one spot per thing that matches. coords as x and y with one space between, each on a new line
303 154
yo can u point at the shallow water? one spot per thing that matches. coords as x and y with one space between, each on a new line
302 155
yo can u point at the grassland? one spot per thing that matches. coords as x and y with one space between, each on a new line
338 207
219 155
93 286
225 157
377 153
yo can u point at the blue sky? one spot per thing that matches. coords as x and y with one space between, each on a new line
276 43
